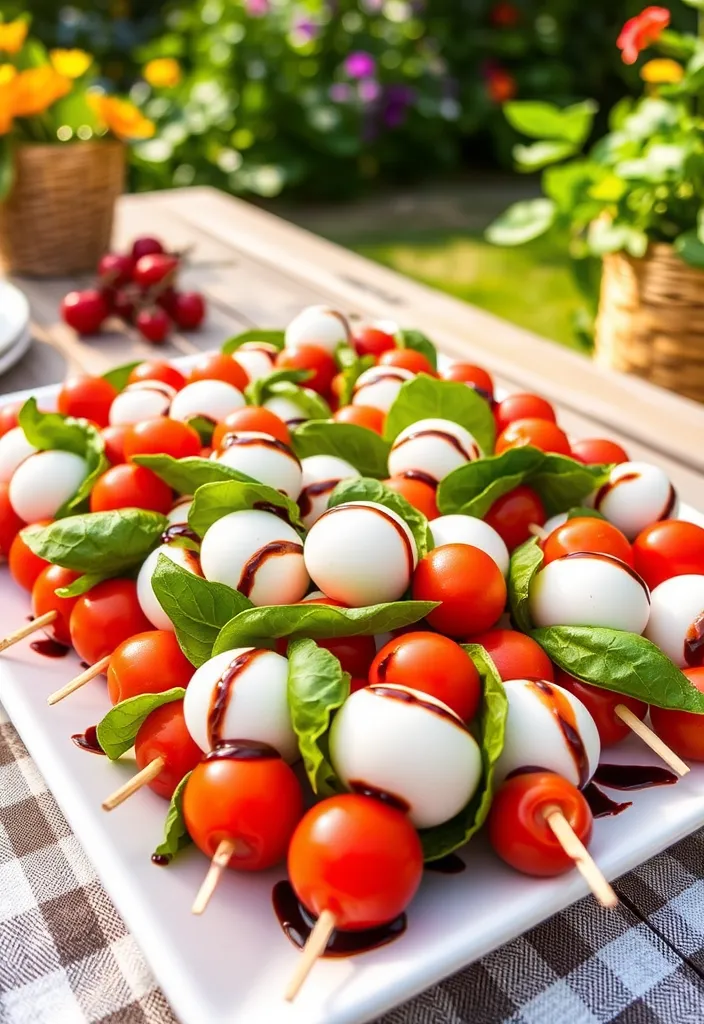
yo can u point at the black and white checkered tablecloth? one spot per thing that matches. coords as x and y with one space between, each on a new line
66 957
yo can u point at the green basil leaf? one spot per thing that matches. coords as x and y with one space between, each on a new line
120 375
187 475
361 447
256 626
418 342
258 391
584 513
350 373
317 687
622 662
562 482
118 729
176 837
198 608
110 542
425 397
365 489
82 585
312 406
525 562
255 334
204 427
488 728
213 501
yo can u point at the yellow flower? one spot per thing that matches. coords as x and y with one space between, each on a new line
33 91
70 63
13 35
165 72
7 73
121 117
662 71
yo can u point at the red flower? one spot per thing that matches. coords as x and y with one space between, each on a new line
504 14
639 32
500 84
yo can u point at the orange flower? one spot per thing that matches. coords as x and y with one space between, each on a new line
34 90
163 72
639 32
7 75
121 117
13 35
501 86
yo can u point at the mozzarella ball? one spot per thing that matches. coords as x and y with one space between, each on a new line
211 399
460 529
676 623
264 458
547 728
585 589
286 409
258 554
14 449
319 326
145 593
433 447
144 400
257 358
241 695
557 520
44 482
178 514
321 475
636 495
379 386
410 746
361 553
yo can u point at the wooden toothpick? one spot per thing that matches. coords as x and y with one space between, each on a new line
644 732
79 681
218 864
142 778
583 860
19 634
313 950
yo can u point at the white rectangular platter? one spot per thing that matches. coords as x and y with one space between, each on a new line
231 965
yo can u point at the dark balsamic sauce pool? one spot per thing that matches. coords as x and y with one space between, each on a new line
88 740
624 777
49 648
448 865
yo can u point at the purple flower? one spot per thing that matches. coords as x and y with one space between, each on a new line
305 28
257 8
360 64
340 92
369 90
397 100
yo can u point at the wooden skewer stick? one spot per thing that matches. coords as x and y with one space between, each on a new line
39 623
225 849
143 778
671 759
79 681
538 531
583 861
314 949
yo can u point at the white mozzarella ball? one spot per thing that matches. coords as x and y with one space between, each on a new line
379 386
14 449
361 553
459 529
211 399
636 495
547 728
44 482
264 458
433 447
409 746
676 622
320 326
257 358
258 554
145 592
321 475
585 589
178 514
144 400
286 409
241 695
557 520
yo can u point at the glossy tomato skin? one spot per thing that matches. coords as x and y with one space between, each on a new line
309 357
161 436
362 416
158 369
355 653
515 655
357 857
407 359
163 733
44 599
682 730
601 704
598 451
542 434
518 830
114 439
669 548
104 617
9 417
131 486
219 366
10 522
372 341
252 417
255 802
417 492
88 398
477 376
513 514
24 565
586 533
520 407
150 662
469 584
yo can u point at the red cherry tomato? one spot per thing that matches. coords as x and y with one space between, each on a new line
104 617
188 310
362 416
596 451
252 417
309 357
9 417
682 730
114 438
153 324
149 662
601 704
145 246
256 802
219 366
586 533
45 599
355 653
513 514
158 370
163 734
480 380
85 311
10 522
115 269
154 268
515 655
518 828
521 407
407 359
24 565
357 857
162 436
433 664
87 397
540 434
417 492
369 340
469 584
669 548
130 486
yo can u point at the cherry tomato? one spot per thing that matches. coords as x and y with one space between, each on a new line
256 802
357 857
597 451
162 436
24 565
252 417
219 366
153 324
682 730
407 359
309 357
10 522
542 434
521 407
154 268
362 416
115 268
150 662
9 417
469 584
601 704
145 246
188 310
157 369
88 398
85 311
163 734
478 377
515 655
114 438
417 492
130 486
104 617
587 533
513 514
45 599
369 340
518 828
669 548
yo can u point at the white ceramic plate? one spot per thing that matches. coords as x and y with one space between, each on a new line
12 355
14 315
231 965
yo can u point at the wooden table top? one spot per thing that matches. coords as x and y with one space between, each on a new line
258 270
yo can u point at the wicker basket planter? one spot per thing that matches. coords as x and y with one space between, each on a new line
651 319
58 217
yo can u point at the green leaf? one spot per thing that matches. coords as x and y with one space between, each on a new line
361 447
490 727
82 585
366 489
259 390
257 626
697 4
425 397
118 730
109 543
541 120
542 154
187 475
522 222
317 687
213 501
622 662
198 608
256 334
525 562
350 374
176 837
204 427
7 168
120 375
690 249
312 406
584 513
418 342
563 482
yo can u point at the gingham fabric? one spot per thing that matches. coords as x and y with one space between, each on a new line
66 956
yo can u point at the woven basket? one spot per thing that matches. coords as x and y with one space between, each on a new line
651 319
58 217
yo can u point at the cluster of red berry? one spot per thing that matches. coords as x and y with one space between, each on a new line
138 287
